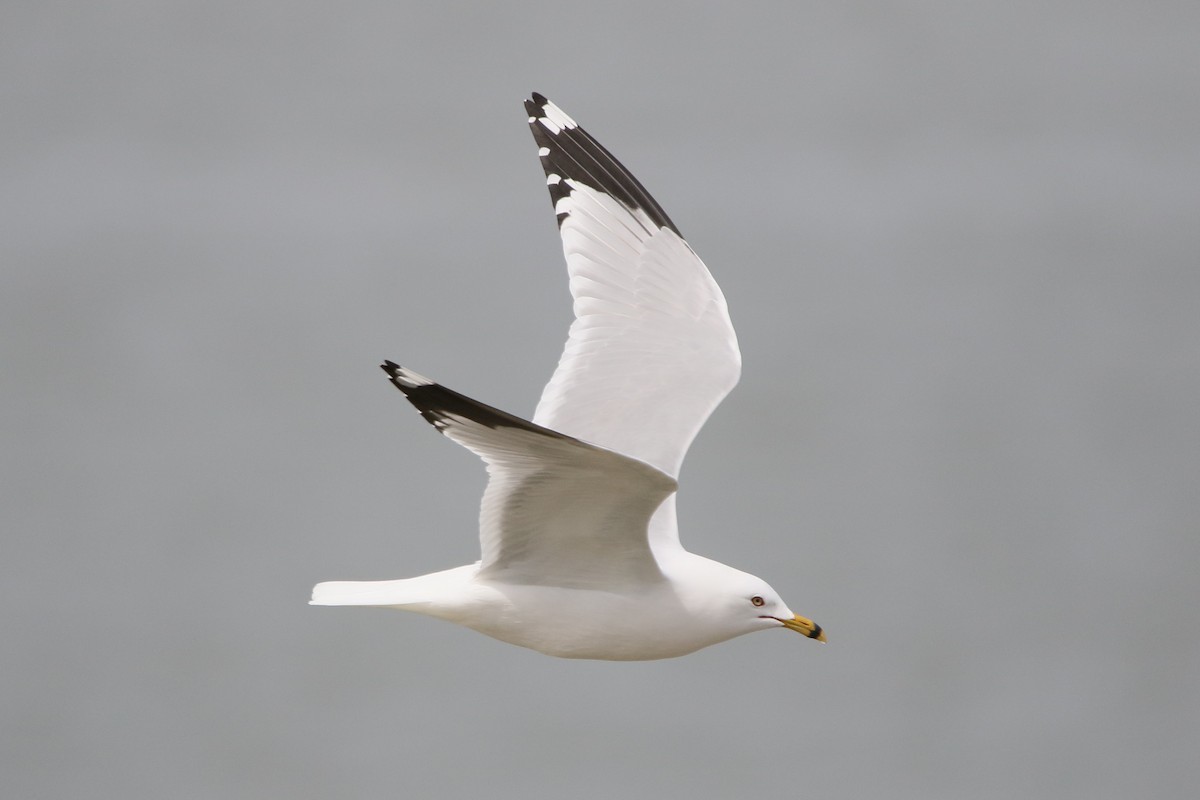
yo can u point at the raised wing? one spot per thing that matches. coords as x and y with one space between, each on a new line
651 351
556 511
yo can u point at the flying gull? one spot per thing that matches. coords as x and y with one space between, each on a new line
580 547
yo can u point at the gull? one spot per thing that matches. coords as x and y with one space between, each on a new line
580 547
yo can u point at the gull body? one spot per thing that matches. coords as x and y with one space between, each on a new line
580 547
663 619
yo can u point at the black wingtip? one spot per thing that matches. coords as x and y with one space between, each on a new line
394 372
437 403
574 156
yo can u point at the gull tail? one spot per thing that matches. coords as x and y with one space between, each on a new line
362 593
428 594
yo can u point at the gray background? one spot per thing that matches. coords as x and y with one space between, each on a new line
959 242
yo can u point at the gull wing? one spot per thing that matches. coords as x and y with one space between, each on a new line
652 351
556 511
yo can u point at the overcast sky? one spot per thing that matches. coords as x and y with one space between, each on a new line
959 242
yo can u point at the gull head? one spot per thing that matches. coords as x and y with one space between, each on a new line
771 611
742 603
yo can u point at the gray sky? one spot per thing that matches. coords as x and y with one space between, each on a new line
960 245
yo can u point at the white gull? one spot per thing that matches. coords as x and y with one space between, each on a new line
580 547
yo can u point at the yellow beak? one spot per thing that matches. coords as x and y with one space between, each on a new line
804 625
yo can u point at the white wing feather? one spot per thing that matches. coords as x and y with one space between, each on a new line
556 511
652 351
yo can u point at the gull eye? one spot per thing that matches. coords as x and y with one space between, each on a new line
758 601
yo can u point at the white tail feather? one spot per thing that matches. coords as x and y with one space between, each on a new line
362 593
426 593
